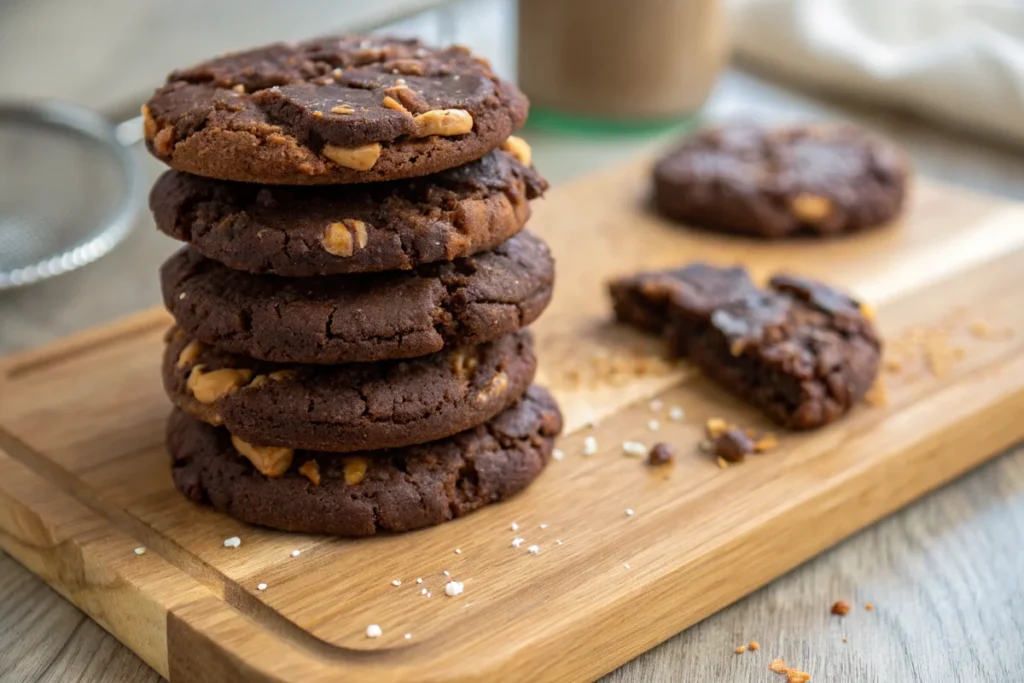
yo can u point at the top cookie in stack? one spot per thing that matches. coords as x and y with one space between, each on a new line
352 357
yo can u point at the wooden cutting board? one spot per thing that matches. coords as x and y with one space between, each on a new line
84 476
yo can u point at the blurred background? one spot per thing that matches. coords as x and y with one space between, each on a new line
609 80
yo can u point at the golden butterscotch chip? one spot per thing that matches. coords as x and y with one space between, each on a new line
354 469
444 122
239 88
810 208
518 147
715 427
271 461
722 462
311 470
163 142
342 109
343 237
797 676
841 608
279 375
778 666
149 126
207 387
190 353
360 158
392 103
868 311
409 67
740 649
765 443
736 347
258 381
463 364
495 387
877 394
754 646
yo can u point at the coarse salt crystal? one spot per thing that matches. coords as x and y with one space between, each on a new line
533 549
656 404
589 446
629 512
458 551
141 550
373 631
654 425
419 580
558 454
424 591
517 541
452 588
396 583
634 448
675 413
626 565
296 553
544 526
232 542
445 572
515 527
261 587
408 636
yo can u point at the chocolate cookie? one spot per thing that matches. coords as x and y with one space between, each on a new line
366 493
803 180
353 407
802 352
327 230
357 318
343 109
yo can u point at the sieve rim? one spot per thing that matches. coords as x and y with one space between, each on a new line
82 121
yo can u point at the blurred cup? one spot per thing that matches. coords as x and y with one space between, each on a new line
620 61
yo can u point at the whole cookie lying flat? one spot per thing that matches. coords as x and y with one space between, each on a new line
358 318
304 231
352 407
343 109
804 180
366 493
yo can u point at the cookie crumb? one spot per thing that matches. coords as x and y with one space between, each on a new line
629 512
558 454
517 541
589 446
841 608
675 413
533 550
754 646
797 676
869 607
373 631
845 640
261 586
634 449
740 649
661 454
722 462
296 553
654 425
657 404
232 542
453 588
141 550
396 583
877 395
778 666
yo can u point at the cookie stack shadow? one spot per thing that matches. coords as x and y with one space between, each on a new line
350 352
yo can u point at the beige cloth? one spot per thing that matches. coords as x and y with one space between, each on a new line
958 61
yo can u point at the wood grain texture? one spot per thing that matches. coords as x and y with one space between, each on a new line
85 478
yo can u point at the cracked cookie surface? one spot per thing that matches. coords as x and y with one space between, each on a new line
813 180
307 231
351 407
362 494
341 109
360 318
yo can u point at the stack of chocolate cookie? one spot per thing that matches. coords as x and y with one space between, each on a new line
350 354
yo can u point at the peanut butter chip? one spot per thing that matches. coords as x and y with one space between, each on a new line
715 427
240 89
190 353
279 375
446 122
342 238
149 126
342 109
271 461
311 470
163 142
357 158
392 103
496 386
354 469
207 387
517 147
811 208
463 365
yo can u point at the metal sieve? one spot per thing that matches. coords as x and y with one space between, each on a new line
69 188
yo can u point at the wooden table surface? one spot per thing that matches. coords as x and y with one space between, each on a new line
946 575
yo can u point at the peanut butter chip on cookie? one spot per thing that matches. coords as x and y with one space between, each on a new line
190 353
311 470
354 469
271 461
495 387
445 122
149 126
342 238
392 103
517 147
811 208
357 158
342 109
207 387
163 142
